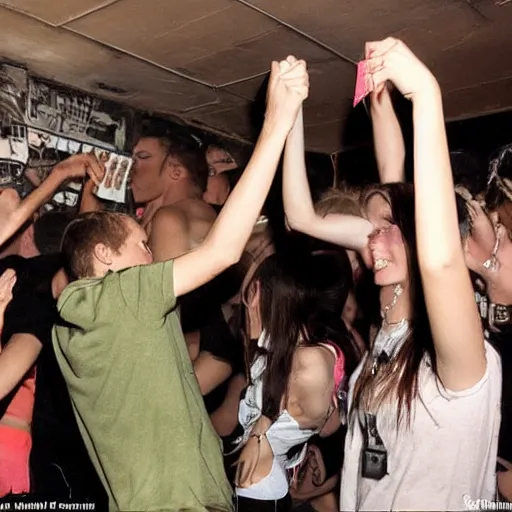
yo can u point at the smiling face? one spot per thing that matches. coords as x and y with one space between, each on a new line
386 245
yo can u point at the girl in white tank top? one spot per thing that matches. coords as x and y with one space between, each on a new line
424 403
276 417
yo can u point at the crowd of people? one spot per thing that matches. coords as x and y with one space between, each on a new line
185 359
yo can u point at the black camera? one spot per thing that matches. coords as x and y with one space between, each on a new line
374 463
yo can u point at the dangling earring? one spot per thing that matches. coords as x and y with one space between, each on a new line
492 263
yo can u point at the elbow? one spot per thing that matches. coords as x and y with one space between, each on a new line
6 389
439 266
233 259
229 256
443 255
298 224
291 222
222 255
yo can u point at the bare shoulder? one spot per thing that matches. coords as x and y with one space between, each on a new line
311 385
313 366
168 215
168 221
196 210
199 217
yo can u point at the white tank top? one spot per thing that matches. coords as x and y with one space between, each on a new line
446 457
284 434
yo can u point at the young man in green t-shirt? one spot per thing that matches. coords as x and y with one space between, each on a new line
121 349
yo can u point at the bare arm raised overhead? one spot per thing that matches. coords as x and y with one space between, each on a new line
388 140
344 230
456 327
287 89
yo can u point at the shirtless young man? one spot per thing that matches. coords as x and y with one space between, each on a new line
169 178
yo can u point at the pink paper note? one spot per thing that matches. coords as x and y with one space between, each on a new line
364 84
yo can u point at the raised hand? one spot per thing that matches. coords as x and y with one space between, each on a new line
392 60
483 232
78 166
381 91
288 87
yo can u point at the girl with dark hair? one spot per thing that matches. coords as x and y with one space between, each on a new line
297 371
318 479
425 401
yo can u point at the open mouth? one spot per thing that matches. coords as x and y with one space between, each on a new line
380 264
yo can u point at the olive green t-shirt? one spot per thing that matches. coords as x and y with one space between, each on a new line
135 394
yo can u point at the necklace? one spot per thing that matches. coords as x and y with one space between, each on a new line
388 343
381 355
397 291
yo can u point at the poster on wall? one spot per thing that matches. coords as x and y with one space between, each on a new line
42 124
13 144
13 156
13 88
75 115
45 152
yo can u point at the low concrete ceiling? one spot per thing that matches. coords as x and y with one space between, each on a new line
204 60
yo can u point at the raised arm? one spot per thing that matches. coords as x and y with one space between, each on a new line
388 140
344 230
455 323
89 202
74 167
287 89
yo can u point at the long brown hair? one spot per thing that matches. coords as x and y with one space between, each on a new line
301 298
398 380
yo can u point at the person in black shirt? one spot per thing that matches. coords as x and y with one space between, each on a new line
60 465
489 255
27 326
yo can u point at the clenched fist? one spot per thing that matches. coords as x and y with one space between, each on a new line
288 87
392 60
78 166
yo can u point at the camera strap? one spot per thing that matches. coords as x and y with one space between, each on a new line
372 438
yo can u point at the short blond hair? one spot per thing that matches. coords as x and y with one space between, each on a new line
344 202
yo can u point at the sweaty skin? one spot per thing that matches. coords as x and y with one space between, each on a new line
176 219
188 221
